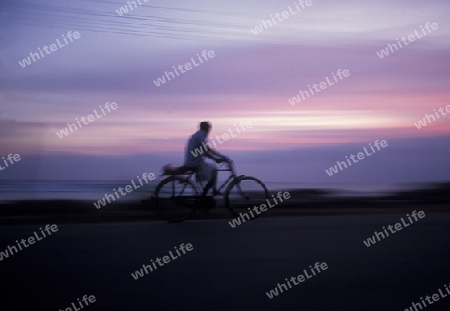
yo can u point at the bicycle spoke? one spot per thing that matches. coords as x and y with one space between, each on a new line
175 199
244 194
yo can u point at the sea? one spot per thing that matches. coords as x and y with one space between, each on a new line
95 190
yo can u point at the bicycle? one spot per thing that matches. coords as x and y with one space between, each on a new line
177 197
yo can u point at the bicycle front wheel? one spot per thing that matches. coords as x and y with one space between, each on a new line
243 194
175 198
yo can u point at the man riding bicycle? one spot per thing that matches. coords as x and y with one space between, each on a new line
177 196
197 148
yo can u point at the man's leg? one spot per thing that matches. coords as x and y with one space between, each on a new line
211 173
212 183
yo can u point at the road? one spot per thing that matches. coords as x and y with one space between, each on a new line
230 269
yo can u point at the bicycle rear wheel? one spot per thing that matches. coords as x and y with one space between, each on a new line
244 193
176 199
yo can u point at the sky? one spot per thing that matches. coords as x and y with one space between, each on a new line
250 79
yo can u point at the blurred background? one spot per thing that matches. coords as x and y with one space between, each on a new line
251 79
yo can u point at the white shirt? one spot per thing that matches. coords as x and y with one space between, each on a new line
195 149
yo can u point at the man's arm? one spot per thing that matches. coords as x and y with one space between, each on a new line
216 156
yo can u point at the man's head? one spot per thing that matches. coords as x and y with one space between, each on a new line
205 126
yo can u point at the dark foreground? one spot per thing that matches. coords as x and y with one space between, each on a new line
230 269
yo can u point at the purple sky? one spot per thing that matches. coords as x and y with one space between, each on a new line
250 79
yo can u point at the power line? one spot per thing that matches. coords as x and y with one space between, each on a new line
130 24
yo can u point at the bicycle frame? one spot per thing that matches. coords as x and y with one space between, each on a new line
230 178
186 192
198 184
